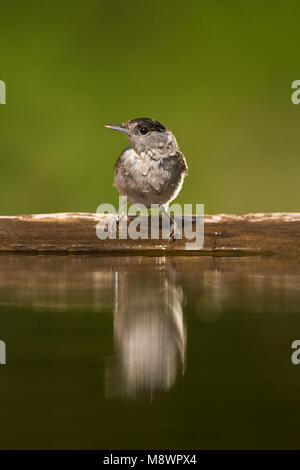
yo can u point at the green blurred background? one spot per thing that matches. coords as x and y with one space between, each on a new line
217 73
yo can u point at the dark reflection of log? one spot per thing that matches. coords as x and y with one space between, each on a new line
255 285
86 283
149 331
55 282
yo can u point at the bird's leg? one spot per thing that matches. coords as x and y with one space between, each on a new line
116 218
173 226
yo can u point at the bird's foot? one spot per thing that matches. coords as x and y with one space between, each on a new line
111 226
175 233
114 223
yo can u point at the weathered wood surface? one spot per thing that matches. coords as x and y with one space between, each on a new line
277 233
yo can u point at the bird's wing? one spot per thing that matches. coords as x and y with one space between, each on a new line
176 159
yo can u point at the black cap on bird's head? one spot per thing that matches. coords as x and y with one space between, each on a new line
139 125
145 133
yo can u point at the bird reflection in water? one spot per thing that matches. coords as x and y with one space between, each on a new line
149 331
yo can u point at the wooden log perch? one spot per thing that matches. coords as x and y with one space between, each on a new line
277 233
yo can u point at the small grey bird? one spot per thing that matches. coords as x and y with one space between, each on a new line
152 169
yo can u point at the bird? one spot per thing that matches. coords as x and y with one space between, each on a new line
151 170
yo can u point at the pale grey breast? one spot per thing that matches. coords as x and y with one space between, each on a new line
146 179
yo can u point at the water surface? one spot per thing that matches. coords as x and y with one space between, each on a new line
149 352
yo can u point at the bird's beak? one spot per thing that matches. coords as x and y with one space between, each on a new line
117 127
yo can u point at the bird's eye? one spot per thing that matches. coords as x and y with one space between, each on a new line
144 130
